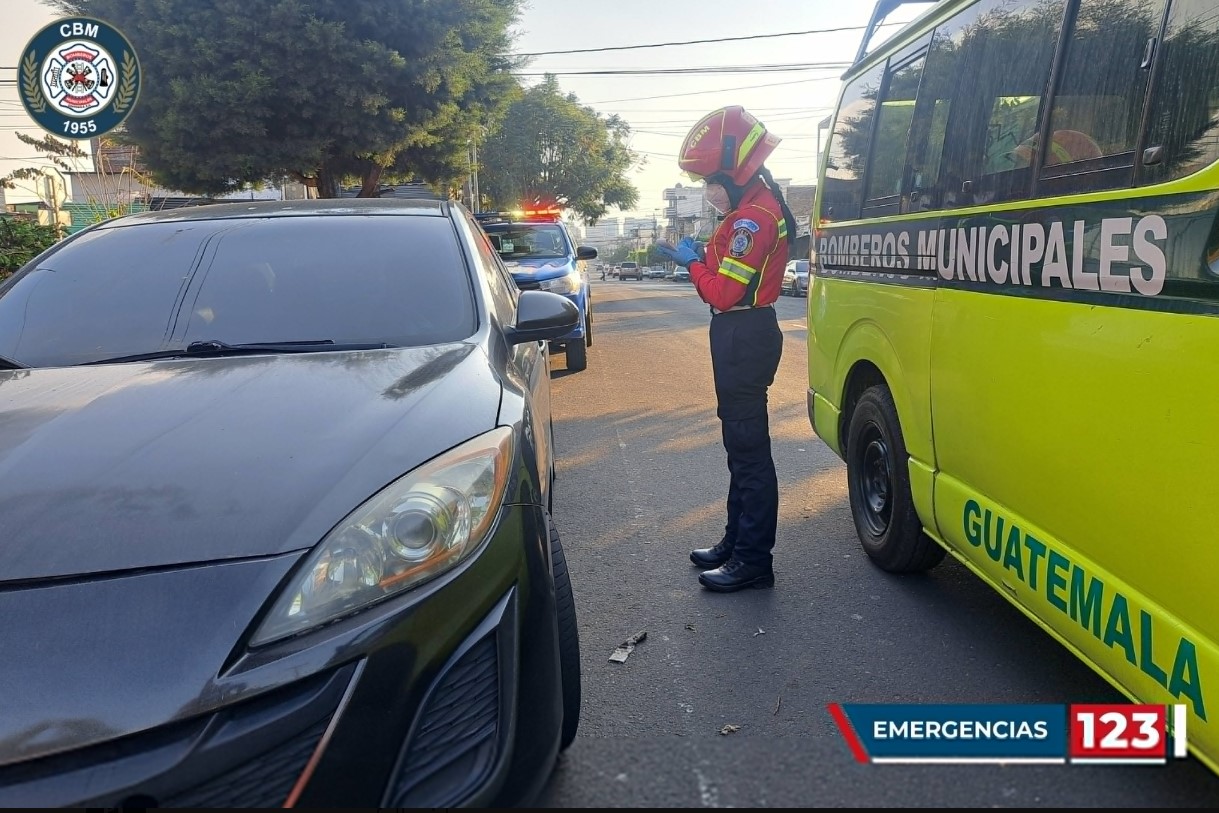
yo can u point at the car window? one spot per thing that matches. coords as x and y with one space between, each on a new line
503 288
147 287
528 241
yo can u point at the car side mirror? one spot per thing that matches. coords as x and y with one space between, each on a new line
586 253
541 315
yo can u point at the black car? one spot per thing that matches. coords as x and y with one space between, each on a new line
275 527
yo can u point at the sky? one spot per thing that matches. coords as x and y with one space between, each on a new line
660 107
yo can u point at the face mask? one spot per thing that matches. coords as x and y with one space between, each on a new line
717 196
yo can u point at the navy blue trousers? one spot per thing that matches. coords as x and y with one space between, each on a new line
746 347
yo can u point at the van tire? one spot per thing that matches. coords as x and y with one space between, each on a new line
577 355
878 482
569 640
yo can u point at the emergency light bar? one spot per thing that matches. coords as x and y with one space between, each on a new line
547 214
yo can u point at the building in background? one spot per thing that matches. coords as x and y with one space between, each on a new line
604 236
687 213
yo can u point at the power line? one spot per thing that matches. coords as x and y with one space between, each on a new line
704 92
700 71
703 42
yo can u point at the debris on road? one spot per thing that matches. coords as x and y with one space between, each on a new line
690 627
778 702
625 649
759 632
730 729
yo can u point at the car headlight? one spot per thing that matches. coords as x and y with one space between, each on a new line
567 284
421 525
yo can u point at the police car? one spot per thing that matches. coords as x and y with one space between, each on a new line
540 254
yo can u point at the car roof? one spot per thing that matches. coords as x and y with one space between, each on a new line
285 208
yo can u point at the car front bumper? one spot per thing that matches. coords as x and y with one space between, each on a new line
448 695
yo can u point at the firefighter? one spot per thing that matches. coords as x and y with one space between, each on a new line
1065 146
740 278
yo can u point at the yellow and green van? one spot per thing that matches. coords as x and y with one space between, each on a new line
1015 350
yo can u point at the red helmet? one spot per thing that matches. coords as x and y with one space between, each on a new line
728 141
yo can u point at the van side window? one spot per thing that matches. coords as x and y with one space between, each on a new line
848 150
887 169
997 57
1183 136
1097 114
928 129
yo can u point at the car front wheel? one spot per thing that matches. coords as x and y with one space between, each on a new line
577 355
569 640
878 483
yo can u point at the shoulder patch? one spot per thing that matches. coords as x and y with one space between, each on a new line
746 223
741 242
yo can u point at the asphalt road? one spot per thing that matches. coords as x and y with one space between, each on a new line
642 480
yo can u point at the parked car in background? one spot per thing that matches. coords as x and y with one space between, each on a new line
276 519
681 274
630 270
538 251
795 278
656 272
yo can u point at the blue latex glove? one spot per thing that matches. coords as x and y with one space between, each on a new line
683 253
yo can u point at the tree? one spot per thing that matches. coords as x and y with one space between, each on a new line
22 240
237 91
551 148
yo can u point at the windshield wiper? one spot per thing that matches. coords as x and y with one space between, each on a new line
7 363
216 349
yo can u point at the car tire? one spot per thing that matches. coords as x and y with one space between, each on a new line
588 324
878 484
577 355
569 640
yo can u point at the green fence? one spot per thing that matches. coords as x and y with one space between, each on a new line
86 214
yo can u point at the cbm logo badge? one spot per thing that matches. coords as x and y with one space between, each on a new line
79 78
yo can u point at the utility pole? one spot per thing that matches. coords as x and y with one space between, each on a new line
474 177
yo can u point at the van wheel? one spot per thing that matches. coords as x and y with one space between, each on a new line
577 355
569 640
878 481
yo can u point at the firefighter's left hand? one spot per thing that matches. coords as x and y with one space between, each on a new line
683 253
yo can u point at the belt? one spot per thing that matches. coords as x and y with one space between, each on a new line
716 311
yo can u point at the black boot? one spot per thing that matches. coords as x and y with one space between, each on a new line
735 576
713 556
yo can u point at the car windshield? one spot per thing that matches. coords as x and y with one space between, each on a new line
801 267
529 241
148 287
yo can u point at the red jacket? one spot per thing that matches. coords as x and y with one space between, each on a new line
746 255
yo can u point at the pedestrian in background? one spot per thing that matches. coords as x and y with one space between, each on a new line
740 278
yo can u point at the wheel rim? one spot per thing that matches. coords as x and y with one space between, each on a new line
874 480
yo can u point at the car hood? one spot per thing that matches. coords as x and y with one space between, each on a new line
539 269
122 466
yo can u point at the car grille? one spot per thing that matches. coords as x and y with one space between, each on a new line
457 738
529 286
246 755
264 781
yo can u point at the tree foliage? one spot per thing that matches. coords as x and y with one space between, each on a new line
552 148
22 240
237 91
